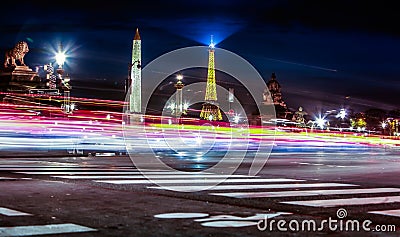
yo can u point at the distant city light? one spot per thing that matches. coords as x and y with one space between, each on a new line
185 105
342 114
171 106
384 124
236 119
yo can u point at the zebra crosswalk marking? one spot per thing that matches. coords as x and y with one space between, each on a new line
346 201
236 185
10 212
305 193
393 212
165 176
189 181
257 186
43 229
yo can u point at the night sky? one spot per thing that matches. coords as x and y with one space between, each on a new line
321 51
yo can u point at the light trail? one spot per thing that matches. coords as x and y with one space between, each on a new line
44 126
301 64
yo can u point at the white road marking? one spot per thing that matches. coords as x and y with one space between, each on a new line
257 216
170 176
7 178
43 229
186 181
318 164
105 154
395 212
346 201
256 186
305 193
10 212
180 215
229 223
103 172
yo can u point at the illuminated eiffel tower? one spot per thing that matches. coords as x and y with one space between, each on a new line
210 110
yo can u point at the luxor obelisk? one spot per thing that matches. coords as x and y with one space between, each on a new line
135 97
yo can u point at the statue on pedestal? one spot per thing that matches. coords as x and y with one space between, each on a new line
16 53
299 117
18 78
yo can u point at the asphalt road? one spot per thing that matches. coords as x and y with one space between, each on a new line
109 196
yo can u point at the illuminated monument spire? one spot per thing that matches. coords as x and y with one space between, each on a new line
210 108
135 97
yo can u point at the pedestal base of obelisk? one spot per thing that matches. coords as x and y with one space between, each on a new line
135 118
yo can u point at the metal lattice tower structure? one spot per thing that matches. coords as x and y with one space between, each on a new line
135 97
210 110
211 90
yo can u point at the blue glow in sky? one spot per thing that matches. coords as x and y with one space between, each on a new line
219 31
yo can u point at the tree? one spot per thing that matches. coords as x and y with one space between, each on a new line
358 121
374 118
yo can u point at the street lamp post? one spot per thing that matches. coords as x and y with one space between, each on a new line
384 125
63 82
179 97
128 83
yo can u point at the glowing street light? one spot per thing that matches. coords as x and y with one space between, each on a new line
179 96
64 81
320 122
60 58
